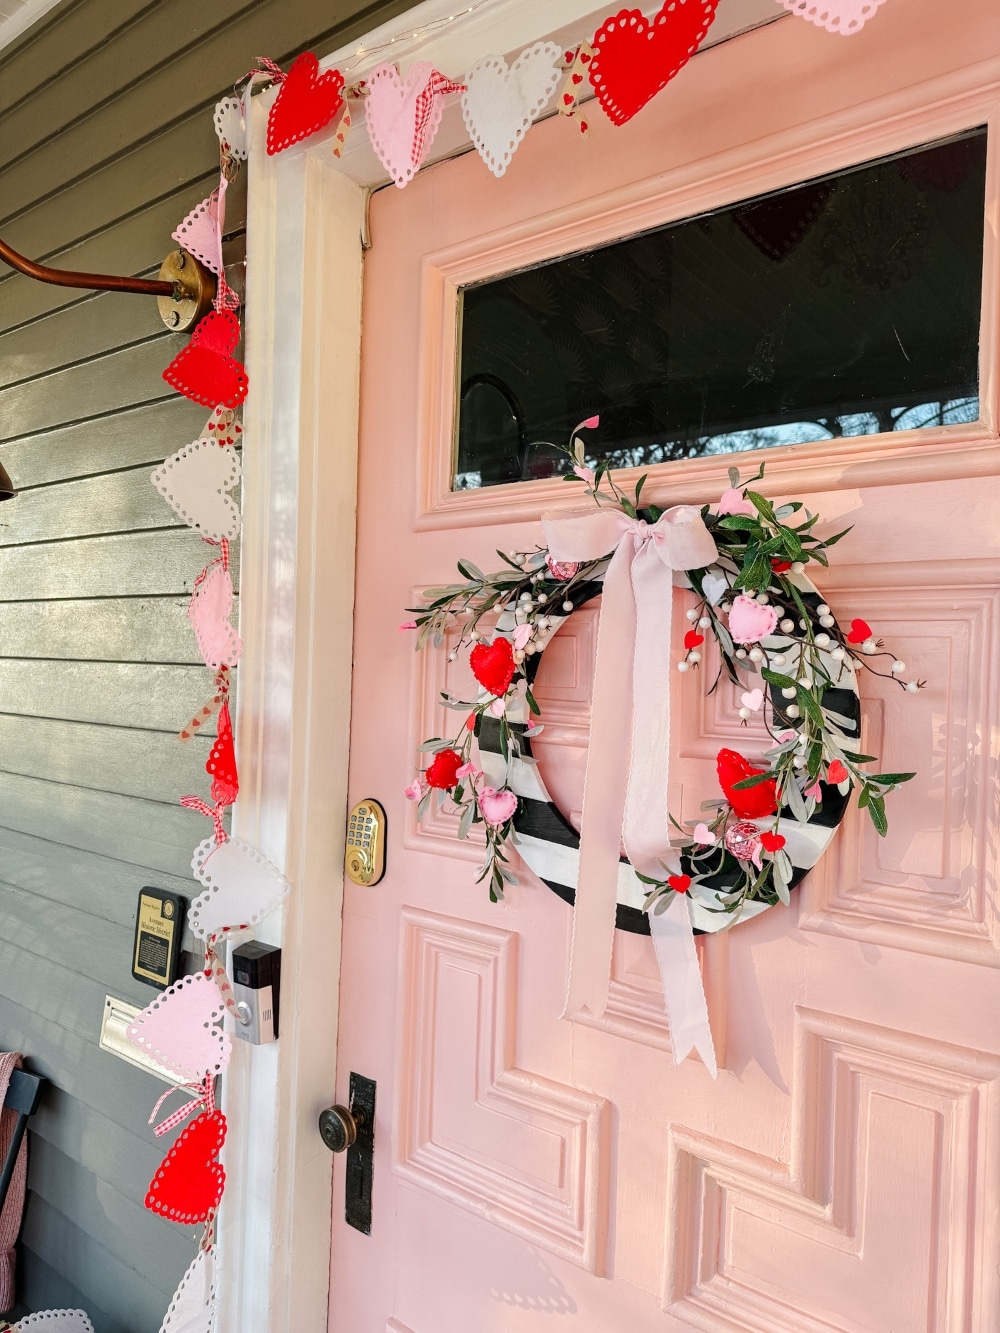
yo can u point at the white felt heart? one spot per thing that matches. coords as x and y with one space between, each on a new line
231 126
499 103
56 1321
180 1029
194 482
844 16
242 887
193 1308
401 122
715 587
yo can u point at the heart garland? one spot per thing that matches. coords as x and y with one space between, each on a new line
844 16
193 1308
241 885
209 612
194 482
634 58
500 101
179 1029
307 101
189 1181
206 370
231 127
221 763
55 1321
200 233
403 115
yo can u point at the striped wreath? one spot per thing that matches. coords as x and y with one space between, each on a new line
795 666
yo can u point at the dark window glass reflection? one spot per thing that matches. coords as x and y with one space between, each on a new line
845 306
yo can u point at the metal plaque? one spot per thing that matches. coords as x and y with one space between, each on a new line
159 924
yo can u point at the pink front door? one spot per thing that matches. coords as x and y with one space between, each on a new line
533 1172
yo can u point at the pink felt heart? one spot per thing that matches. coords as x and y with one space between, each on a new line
752 699
403 115
496 807
241 887
201 231
179 1029
844 16
749 622
209 610
703 835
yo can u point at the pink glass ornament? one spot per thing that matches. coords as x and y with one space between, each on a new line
742 839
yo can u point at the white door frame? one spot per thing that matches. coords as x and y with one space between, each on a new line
305 230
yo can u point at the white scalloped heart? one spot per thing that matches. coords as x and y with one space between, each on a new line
194 482
56 1321
500 100
242 887
179 1029
231 126
193 1308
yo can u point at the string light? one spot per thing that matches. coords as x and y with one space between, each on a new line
366 52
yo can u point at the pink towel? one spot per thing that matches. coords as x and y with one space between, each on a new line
10 1218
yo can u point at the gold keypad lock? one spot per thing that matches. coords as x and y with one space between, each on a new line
364 858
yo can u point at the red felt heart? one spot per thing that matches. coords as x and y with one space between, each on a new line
634 58
836 772
752 802
772 842
189 1181
692 639
221 764
206 371
860 631
443 772
493 665
306 101
679 883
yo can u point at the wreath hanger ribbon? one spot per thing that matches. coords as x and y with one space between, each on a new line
625 794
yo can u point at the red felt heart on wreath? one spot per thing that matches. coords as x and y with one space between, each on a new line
772 842
860 631
692 639
679 883
836 772
752 802
634 57
221 764
206 370
189 1181
306 101
493 665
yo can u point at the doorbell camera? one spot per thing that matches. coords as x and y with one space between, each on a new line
256 986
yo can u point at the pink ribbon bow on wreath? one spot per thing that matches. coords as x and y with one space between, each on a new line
625 797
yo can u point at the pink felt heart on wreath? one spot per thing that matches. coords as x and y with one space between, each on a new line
209 610
206 370
752 699
179 1029
749 621
403 115
635 57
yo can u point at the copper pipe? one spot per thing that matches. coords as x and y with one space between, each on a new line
101 282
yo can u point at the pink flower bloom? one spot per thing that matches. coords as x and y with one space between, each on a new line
407 624
562 569
497 707
732 502
703 835
783 736
815 791
585 473
414 791
468 770
522 634
591 424
496 807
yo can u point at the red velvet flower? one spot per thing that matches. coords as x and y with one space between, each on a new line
493 665
692 639
443 772
836 772
679 883
772 842
753 802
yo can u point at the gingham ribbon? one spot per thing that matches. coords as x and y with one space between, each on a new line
438 85
204 1095
216 813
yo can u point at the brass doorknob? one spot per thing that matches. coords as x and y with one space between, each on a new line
338 1127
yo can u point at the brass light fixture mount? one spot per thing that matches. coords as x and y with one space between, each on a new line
184 288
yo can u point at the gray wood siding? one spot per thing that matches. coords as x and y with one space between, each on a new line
105 143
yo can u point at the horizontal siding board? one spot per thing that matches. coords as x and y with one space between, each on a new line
141 435
130 565
148 764
158 837
154 697
42 1287
107 629
99 1275
108 889
92 506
